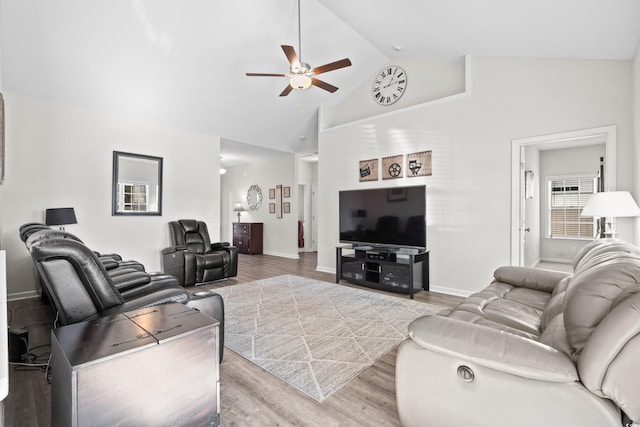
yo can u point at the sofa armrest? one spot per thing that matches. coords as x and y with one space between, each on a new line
173 249
493 349
532 278
218 246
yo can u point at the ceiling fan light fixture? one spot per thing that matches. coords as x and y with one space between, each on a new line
300 81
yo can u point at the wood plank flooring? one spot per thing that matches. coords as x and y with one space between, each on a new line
249 395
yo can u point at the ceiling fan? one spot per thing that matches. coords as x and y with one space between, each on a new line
301 74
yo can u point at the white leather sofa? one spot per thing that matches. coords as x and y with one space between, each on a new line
534 348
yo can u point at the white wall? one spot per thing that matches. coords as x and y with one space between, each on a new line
468 196
4 358
59 156
570 161
280 234
532 209
426 81
636 127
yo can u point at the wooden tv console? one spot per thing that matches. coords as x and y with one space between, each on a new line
403 270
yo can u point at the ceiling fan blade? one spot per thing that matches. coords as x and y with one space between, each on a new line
286 91
291 54
332 66
324 85
265 75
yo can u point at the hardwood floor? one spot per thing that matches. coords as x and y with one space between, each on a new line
249 395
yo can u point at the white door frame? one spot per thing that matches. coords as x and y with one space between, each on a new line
517 147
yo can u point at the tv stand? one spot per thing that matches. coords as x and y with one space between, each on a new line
393 269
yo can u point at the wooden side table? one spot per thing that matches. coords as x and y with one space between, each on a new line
247 237
153 366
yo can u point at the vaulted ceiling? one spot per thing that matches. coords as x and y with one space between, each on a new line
183 62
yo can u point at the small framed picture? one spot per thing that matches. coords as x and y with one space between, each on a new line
392 167
368 170
272 193
419 164
272 207
286 192
287 207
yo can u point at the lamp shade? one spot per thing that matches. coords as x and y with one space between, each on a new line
611 204
238 207
60 216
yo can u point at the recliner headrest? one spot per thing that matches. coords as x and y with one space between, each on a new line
189 225
48 234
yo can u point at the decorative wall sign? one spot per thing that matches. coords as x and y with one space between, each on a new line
287 207
369 170
272 193
272 206
392 167
286 192
278 201
419 164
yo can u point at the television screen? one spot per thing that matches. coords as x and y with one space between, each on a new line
393 216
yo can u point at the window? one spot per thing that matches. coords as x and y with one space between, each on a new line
567 197
134 197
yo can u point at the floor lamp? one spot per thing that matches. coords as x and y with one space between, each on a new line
610 205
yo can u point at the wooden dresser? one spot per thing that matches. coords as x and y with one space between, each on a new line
247 237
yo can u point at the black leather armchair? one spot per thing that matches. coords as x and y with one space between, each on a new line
193 259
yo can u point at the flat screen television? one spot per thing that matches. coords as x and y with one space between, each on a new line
393 216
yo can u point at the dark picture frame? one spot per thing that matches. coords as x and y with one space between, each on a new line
396 194
136 170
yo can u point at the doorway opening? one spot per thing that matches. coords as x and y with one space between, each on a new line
519 147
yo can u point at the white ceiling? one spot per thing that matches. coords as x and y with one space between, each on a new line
182 62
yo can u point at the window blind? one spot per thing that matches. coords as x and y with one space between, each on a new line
567 197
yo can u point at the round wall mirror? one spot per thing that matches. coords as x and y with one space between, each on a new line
254 197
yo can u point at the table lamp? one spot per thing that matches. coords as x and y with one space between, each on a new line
610 204
238 207
60 216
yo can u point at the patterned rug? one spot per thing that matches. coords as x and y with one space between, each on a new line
315 335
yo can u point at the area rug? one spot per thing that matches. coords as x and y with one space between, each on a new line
315 335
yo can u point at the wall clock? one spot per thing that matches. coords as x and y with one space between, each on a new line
389 85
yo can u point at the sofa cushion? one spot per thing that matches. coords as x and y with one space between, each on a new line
481 320
555 335
507 305
596 292
530 278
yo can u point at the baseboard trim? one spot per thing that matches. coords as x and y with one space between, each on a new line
23 295
326 270
283 255
450 291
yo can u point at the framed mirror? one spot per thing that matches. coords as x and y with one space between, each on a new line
137 184
254 198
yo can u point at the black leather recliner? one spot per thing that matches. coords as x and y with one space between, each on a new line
193 259
80 288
